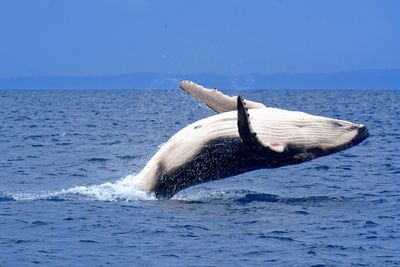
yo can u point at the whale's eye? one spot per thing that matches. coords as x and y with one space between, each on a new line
197 126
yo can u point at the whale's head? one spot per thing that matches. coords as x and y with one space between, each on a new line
327 136
304 136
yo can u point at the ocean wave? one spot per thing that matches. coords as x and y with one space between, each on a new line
248 196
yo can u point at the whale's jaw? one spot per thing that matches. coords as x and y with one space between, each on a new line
361 136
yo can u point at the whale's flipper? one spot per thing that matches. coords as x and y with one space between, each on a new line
247 134
215 99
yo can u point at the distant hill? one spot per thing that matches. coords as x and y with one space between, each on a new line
362 79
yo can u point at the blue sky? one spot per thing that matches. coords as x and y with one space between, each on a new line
106 37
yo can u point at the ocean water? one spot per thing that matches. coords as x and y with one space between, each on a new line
68 197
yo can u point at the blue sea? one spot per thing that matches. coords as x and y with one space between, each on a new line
69 158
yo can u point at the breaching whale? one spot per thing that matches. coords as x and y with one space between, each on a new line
244 136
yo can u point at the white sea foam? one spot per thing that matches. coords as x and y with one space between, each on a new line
21 196
126 189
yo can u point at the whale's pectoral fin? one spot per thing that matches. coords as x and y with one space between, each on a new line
214 98
248 136
246 132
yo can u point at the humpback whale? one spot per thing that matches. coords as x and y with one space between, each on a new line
242 137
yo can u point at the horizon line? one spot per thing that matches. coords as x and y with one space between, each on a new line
198 73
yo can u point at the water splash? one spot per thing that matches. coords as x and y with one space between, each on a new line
126 189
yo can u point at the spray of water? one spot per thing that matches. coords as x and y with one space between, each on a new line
126 189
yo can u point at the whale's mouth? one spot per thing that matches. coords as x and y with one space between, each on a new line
362 134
